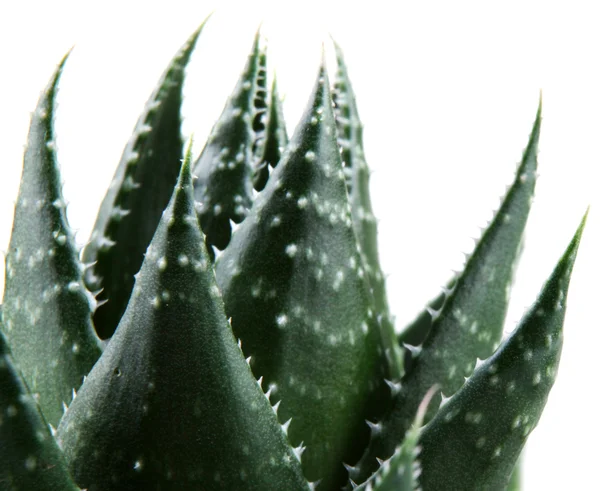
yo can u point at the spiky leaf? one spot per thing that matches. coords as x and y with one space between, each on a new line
223 189
415 333
274 140
172 404
471 321
476 437
47 310
29 456
140 190
350 139
295 289
402 470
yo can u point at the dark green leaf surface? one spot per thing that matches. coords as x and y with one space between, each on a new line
415 333
274 141
47 310
299 300
29 456
172 404
350 139
476 437
401 471
470 324
224 169
137 196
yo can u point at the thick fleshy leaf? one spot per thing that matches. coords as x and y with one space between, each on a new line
29 456
350 139
274 141
298 299
402 470
223 188
471 321
172 404
47 310
476 437
138 194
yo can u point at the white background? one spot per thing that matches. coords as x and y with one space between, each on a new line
447 92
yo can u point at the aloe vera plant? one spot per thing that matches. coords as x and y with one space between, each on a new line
227 326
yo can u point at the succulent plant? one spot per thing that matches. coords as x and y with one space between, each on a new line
227 325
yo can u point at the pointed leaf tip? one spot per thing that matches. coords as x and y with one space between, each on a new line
47 310
175 324
471 319
292 285
140 191
477 436
225 166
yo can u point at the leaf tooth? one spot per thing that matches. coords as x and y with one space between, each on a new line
269 392
444 400
298 451
105 243
99 303
285 426
415 350
260 380
376 428
394 386
234 226
276 407
433 312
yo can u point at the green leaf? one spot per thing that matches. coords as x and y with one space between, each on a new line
401 471
223 189
47 310
514 484
471 321
274 140
172 404
416 332
29 456
298 298
139 193
476 437
350 139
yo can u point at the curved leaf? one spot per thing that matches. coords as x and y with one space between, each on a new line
137 196
47 310
223 189
356 171
476 437
471 321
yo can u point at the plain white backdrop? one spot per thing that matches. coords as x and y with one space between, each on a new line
447 92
